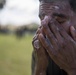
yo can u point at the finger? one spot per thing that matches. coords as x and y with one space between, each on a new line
63 33
48 32
73 32
38 48
41 59
55 30
34 38
36 35
52 52
38 30
36 44
46 45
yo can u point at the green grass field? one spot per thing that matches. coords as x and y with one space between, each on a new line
15 55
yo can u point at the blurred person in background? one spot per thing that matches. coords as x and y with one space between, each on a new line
2 2
55 40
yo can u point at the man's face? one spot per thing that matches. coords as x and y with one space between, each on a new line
61 11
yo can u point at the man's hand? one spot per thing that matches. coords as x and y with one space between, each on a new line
41 56
73 32
61 47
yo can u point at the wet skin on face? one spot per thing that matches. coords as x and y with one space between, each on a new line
60 11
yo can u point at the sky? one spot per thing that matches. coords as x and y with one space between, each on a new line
20 12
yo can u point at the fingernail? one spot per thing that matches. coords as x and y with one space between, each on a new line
47 18
72 28
36 44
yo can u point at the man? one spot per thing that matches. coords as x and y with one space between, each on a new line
55 41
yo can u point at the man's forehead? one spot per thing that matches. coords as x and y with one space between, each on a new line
60 8
54 5
52 0
71 2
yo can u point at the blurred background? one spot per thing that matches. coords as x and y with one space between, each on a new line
18 23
